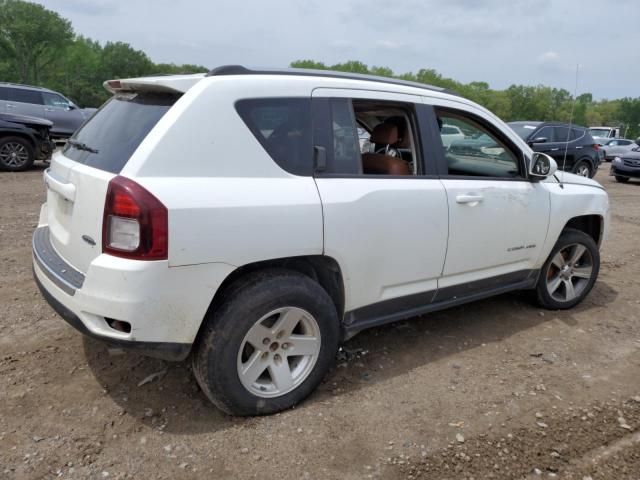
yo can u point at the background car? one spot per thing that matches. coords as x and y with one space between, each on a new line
583 154
450 134
626 166
617 147
66 116
23 140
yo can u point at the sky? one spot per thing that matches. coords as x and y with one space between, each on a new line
501 42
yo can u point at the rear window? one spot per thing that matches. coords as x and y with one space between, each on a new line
283 128
114 132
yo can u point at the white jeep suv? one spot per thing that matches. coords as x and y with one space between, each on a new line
233 217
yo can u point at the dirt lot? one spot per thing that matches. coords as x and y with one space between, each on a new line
496 389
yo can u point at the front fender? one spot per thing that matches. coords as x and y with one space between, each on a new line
568 201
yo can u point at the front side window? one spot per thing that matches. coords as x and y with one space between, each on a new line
479 153
4 93
283 128
25 96
55 100
547 133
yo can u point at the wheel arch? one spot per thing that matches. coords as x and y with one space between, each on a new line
592 225
321 268
19 134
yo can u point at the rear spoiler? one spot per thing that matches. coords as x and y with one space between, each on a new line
161 84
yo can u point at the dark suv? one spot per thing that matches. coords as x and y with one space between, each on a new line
582 152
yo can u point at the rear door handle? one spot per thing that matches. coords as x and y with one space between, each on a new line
65 190
10 106
469 198
555 149
578 148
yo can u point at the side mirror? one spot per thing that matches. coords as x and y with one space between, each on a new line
72 106
542 166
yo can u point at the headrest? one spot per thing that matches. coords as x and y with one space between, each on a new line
385 133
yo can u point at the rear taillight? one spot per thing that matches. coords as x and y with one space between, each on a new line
135 223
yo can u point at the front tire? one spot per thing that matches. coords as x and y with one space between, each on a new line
570 272
622 179
16 154
268 344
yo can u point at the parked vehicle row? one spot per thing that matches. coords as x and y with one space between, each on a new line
260 263
65 116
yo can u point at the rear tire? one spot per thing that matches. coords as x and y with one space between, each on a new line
570 272
245 359
16 154
622 179
583 169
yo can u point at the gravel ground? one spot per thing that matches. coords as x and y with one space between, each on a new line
495 389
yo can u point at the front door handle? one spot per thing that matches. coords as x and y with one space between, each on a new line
469 198
555 149
10 106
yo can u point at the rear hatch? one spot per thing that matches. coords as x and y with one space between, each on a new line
79 176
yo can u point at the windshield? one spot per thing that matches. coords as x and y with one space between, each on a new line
599 132
115 131
522 129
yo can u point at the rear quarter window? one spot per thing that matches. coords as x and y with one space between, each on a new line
283 128
23 95
114 132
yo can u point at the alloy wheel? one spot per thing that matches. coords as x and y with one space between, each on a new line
13 154
279 352
583 170
569 272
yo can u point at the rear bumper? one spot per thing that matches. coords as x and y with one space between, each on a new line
163 305
163 350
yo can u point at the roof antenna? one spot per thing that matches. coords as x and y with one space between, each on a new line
573 105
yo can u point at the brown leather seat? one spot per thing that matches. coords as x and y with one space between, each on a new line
379 163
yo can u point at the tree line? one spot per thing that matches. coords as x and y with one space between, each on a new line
40 47
518 102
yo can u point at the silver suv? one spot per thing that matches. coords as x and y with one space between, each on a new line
43 103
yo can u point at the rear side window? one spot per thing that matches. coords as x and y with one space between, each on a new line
115 131
283 128
561 134
3 93
25 96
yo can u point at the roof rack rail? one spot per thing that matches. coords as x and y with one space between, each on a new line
242 70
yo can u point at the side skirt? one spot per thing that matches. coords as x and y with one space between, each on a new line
402 308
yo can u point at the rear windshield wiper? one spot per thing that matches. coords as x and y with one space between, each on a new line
81 146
